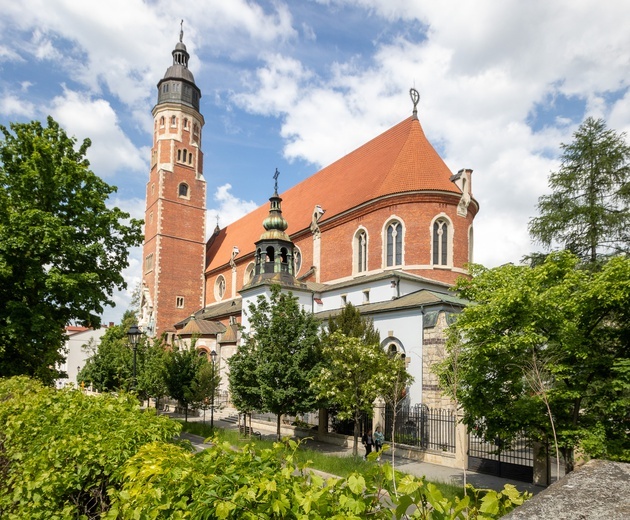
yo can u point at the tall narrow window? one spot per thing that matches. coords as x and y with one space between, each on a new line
361 249
394 244
440 242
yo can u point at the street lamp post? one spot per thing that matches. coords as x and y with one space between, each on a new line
213 356
133 335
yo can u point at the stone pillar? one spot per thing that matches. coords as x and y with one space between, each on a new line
461 445
542 468
378 415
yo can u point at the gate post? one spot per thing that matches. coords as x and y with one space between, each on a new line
542 468
378 414
461 443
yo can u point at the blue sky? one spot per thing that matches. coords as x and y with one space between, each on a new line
294 85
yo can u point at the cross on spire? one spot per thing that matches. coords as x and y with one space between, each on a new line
275 176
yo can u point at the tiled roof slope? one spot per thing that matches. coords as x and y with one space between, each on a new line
399 160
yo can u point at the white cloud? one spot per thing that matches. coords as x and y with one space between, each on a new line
111 149
228 209
11 106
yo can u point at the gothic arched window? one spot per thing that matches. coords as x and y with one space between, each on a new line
394 243
183 190
360 245
440 242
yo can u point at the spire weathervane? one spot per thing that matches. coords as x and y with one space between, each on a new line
415 98
275 176
181 31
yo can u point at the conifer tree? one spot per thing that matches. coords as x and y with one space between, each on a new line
588 211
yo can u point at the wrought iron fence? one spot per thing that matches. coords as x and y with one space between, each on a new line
423 427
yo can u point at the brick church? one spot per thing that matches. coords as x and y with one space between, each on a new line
388 228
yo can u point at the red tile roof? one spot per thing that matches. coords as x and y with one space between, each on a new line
399 160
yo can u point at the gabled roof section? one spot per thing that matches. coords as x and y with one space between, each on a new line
202 327
397 161
214 312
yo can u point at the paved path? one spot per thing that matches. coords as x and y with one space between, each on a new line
433 472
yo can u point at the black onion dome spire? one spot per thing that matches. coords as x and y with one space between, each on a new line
178 84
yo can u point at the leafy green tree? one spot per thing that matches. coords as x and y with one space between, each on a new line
207 386
181 375
588 211
243 383
350 323
576 323
284 343
351 378
62 249
151 370
62 450
111 366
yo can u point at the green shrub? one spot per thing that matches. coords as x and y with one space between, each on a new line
60 450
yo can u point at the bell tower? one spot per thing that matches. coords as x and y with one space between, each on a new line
174 232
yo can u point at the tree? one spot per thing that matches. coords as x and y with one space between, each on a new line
577 323
284 343
588 211
181 375
151 376
62 249
351 378
207 386
350 323
111 365
394 380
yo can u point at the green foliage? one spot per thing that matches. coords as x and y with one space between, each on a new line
151 370
181 375
350 323
110 367
284 344
207 384
62 250
169 482
64 454
61 450
576 323
355 374
588 211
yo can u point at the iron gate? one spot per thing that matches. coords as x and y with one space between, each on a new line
514 460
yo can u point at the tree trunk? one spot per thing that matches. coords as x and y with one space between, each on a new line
279 435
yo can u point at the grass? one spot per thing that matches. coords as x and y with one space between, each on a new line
341 466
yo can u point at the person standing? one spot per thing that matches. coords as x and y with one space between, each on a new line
368 442
379 438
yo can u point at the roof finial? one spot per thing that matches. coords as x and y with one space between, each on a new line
275 176
181 31
415 98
